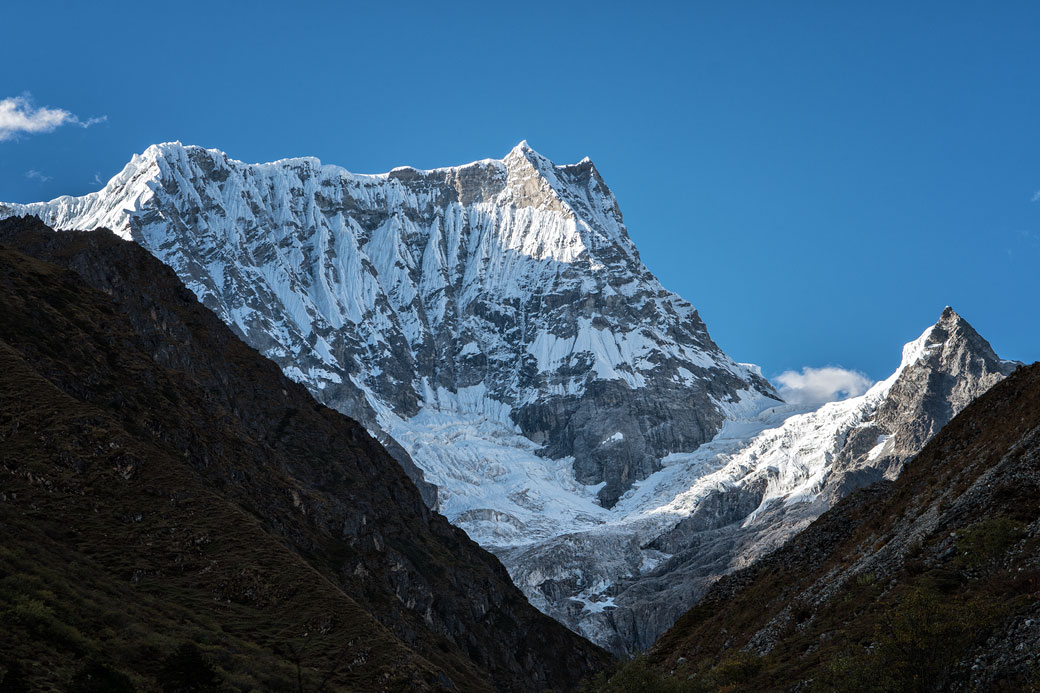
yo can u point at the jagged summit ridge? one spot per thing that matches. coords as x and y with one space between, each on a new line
505 290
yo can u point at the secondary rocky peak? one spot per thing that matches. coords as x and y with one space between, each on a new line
943 371
953 347
955 365
961 337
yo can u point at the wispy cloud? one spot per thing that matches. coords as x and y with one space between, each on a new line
1036 196
820 385
1023 242
33 174
97 178
19 115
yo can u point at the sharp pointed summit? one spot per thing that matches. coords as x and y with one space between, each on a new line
523 148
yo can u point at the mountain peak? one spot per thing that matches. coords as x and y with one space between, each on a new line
946 368
953 330
949 325
523 151
950 317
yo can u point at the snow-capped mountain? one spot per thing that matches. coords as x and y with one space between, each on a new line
498 305
494 324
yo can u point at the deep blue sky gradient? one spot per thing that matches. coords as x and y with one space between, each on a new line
819 179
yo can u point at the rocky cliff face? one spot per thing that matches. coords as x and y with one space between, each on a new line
930 582
954 367
507 291
196 492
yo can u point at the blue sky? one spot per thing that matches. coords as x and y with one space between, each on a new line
819 179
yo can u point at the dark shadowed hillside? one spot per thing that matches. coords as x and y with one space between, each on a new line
931 582
162 483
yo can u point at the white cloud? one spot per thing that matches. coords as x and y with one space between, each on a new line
19 115
33 174
819 385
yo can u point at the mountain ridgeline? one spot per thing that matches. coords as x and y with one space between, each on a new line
162 483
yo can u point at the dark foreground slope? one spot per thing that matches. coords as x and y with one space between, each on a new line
160 482
928 583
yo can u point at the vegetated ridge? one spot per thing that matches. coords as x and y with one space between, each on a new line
161 483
